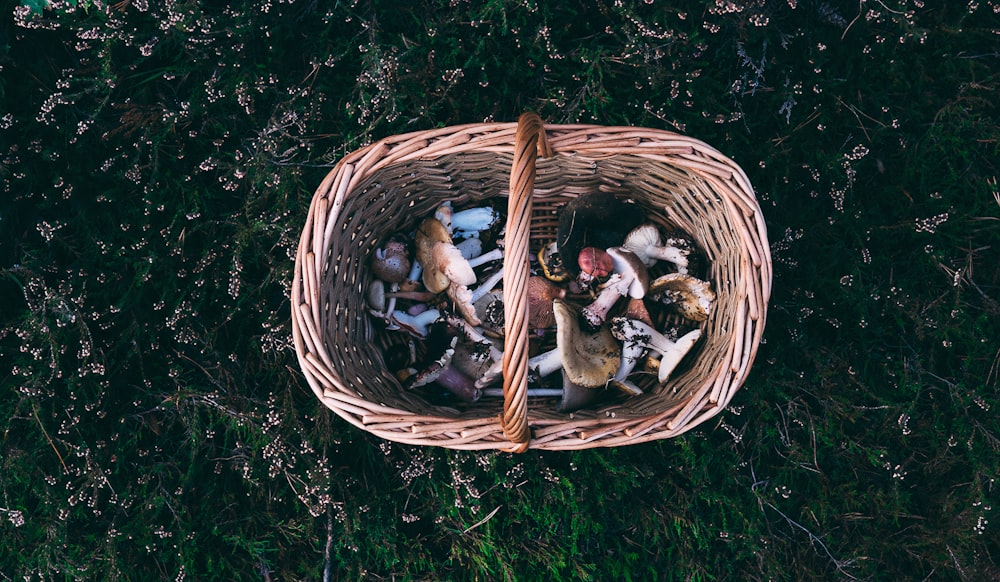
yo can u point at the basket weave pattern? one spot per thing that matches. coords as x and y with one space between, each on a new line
390 185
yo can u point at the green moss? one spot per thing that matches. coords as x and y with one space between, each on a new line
157 162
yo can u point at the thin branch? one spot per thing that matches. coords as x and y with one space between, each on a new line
813 538
34 410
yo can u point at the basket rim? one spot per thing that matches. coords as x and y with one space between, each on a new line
576 431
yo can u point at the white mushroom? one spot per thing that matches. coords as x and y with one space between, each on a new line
493 255
489 310
487 286
472 221
472 334
645 241
632 352
417 325
637 333
629 279
470 247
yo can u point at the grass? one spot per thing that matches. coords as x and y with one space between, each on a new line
157 161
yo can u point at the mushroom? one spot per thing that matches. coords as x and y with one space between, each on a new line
541 293
632 352
472 334
441 370
489 310
472 358
470 247
595 265
492 255
443 214
391 264
552 264
692 297
448 260
629 279
637 333
644 241
473 221
636 309
449 271
488 285
376 298
417 325
588 360
429 234
461 296
596 219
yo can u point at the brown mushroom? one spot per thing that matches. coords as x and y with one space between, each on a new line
588 360
692 297
541 293
429 234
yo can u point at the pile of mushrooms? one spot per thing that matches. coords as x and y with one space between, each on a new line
598 319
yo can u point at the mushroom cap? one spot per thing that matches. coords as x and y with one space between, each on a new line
636 309
429 233
462 297
552 264
436 365
472 358
489 310
594 263
449 260
627 261
541 293
692 297
589 359
391 263
641 238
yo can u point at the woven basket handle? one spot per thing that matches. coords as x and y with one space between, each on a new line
529 143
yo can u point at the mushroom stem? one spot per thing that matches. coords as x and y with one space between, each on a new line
630 279
390 324
459 384
674 356
417 325
546 363
615 288
631 354
421 296
470 247
462 297
532 392
634 333
488 285
494 255
416 270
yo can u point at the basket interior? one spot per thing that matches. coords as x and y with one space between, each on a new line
397 197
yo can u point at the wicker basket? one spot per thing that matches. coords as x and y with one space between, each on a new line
390 185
